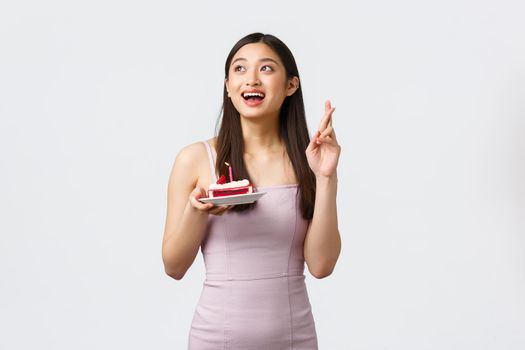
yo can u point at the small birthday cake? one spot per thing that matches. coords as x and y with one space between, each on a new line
223 188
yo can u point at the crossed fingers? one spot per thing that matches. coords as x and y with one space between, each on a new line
326 132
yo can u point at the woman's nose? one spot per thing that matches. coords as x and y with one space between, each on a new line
253 79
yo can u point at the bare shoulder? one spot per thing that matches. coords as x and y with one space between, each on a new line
192 162
195 148
192 152
213 143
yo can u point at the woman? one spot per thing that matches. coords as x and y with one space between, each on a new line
254 295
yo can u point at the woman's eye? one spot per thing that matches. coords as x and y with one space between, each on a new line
269 68
236 69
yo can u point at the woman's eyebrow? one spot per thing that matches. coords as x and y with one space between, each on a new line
264 59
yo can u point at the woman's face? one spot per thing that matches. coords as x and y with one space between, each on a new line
257 82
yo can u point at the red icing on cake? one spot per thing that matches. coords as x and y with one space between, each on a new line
230 191
221 180
222 188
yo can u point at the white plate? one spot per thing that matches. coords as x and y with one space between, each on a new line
235 199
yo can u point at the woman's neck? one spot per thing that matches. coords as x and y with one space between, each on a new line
261 135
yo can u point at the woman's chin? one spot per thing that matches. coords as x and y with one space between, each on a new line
256 113
260 111
250 112
251 115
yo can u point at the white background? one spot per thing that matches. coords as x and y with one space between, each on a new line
98 97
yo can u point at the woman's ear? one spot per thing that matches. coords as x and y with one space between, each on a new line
226 85
293 85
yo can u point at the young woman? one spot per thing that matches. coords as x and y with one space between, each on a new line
254 295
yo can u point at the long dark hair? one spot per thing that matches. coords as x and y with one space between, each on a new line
293 129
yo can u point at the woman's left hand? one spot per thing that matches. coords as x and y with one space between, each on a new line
323 151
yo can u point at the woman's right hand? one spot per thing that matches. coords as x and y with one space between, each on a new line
206 208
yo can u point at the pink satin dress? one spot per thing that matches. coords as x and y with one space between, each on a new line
254 296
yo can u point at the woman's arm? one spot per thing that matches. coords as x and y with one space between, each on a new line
186 217
322 244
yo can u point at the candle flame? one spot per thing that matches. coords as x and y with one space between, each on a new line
227 163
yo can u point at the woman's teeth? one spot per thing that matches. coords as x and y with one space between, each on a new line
254 95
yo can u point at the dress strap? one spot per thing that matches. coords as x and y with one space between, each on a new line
212 161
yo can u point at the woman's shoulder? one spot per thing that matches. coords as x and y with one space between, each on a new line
213 142
196 150
194 158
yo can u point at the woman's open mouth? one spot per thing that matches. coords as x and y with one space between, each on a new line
253 99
